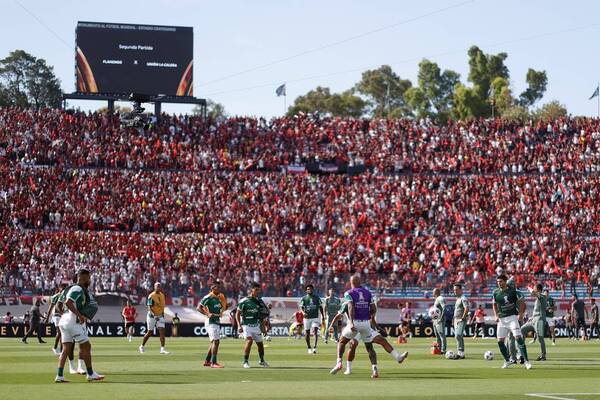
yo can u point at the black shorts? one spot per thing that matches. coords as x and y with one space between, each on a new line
129 324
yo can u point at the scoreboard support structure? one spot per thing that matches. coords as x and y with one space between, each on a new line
157 100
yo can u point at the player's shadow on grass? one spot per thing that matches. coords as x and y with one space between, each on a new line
145 383
142 373
428 375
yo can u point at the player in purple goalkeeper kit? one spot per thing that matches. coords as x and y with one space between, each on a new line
361 313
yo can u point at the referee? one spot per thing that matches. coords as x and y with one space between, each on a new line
35 325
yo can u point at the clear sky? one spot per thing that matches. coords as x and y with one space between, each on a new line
558 36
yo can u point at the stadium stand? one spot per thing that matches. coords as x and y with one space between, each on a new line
188 200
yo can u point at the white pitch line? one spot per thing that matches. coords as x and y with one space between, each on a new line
546 396
553 397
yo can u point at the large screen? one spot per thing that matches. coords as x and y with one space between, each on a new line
116 58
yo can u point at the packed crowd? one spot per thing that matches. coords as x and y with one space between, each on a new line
57 137
185 263
275 203
188 201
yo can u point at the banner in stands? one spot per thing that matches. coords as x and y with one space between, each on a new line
113 329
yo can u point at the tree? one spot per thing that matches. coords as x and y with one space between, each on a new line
433 97
467 103
551 111
3 97
321 100
484 72
536 86
29 81
516 113
484 68
385 90
501 97
214 110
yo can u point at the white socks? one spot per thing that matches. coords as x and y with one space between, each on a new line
339 361
82 365
162 348
72 364
348 365
396 355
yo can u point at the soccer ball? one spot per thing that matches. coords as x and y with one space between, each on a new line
450 355
488 355
434 313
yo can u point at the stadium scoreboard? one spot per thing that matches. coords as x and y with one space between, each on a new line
113 58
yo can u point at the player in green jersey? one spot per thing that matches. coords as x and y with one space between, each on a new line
461 315
509 308
80 306
332 305
212 308
550 315
311 307
439 324
537 323
248 319
57 307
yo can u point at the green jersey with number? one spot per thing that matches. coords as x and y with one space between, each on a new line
506 301
550 307
333 304
540 306
214 307
459 308
249 310
310 304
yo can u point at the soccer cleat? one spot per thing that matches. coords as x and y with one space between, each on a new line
521 360
60 379
55 352
24 340
541 358
130 339
375 374
403 357
348 372
246 365
532 341
325 341
207 363
164 352
141 349
216 365
72 371
264 364
81 371
310 351
507 364
338 367
42 341
95 377
314 351
528 365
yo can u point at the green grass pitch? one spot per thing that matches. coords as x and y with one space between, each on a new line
572 372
